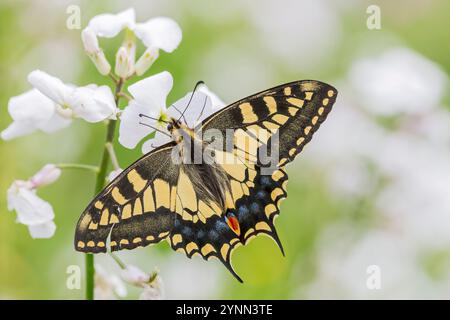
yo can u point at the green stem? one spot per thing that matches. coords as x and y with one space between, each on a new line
78 166
99 184
118 261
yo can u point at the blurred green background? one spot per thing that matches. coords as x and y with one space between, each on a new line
371 189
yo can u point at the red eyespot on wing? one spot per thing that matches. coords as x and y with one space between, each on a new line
233 223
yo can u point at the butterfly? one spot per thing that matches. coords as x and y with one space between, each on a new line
210 207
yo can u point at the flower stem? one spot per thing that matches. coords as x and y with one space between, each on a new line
78 166
121 264
99 184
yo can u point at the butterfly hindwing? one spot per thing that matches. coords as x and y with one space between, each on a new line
136 208
255 208
293 112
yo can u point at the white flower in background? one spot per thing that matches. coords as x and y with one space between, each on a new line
401 169
306 50
32 111
152 284
108 286
92 103
31 210
398 81
157 33
344 258
149 107
153 290
191 279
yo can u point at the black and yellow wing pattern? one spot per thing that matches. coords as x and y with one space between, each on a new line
146 204
294 111
135 209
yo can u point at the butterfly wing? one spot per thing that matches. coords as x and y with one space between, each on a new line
135 209
293 111
255 204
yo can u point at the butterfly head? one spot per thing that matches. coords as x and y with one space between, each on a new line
173 124
179 131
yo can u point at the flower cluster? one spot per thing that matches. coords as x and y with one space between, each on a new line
109 286
51 105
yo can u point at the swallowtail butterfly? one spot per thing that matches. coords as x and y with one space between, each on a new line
210 207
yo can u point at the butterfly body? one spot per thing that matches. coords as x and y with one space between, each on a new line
214 186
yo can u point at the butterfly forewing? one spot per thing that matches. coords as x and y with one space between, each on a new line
135 209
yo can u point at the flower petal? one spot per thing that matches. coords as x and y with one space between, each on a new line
216 102
50 86
55 123
31 105
17 129
154 290
149 99
146 60
194 105
153 90
42 231
160 32
107 285
90 41
109 25
134 275
130 131
113 174
93 103
157 141
124 63
30 209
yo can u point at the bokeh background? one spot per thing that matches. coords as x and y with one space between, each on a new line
373 187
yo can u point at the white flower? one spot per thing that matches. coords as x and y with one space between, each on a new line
157 33
148 112
398 81
152 284
91 103
33 111
108 286
344 259
31 210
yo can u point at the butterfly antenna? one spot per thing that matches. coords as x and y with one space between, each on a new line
192 95
156 129
148 117
203 109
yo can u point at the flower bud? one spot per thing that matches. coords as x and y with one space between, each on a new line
47 175
124 63
93 50
146 60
